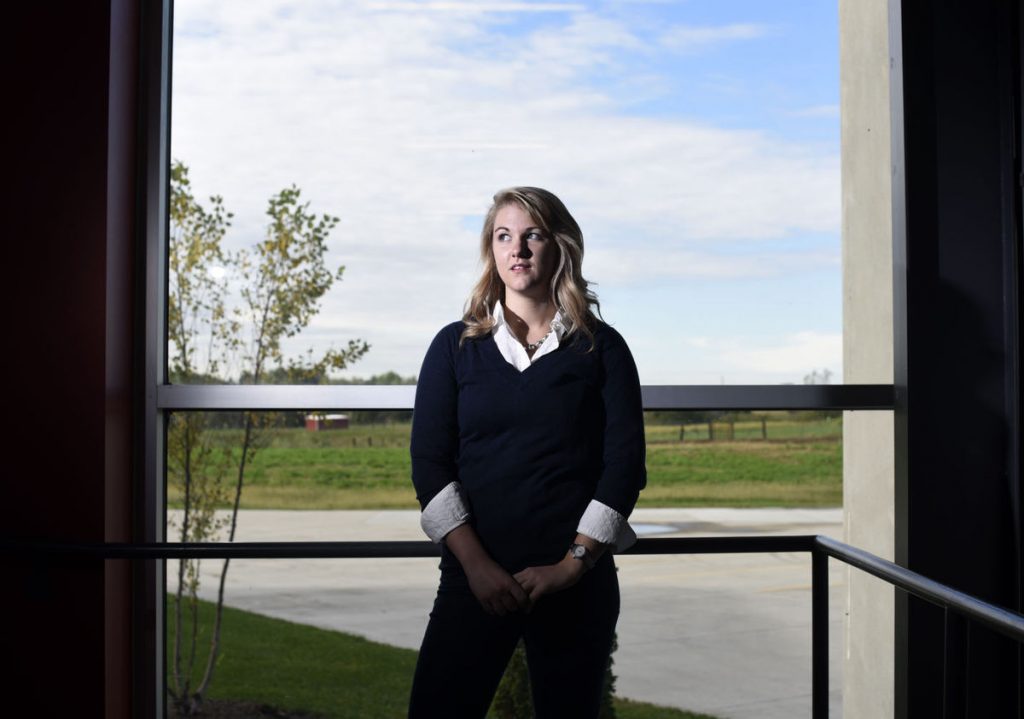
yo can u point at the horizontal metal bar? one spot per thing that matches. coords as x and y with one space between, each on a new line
181 397
755 544
283 397
367 550
769 396
1001 620
225 550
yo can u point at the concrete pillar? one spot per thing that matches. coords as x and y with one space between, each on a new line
868 458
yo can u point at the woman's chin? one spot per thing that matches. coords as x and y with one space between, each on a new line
525 284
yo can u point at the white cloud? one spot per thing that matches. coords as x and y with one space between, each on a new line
477 6
695 38
795 355
404 122
671 358
827 111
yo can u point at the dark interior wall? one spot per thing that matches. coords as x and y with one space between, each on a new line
69 234
958 515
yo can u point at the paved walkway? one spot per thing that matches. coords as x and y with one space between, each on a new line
729 635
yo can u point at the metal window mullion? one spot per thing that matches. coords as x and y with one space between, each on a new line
401 397
153 184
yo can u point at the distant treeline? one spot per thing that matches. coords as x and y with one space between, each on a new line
364 417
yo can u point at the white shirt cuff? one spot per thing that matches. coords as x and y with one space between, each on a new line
446 511
603 524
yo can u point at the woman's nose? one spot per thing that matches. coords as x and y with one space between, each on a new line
523 250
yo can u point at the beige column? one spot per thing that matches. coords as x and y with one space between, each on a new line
867 349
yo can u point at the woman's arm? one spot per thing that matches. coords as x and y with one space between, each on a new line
624 471
435 432
550 578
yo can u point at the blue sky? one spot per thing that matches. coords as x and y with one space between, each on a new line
697 143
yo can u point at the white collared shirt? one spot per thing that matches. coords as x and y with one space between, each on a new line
448 510
510 347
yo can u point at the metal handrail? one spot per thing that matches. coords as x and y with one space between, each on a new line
958 604
1004 621
378 549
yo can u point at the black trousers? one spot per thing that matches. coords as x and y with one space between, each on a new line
568 637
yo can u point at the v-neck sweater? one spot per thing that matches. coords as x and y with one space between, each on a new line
530 449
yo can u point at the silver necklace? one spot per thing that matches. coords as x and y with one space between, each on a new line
531 346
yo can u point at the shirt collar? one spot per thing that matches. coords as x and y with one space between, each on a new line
498 313
510 347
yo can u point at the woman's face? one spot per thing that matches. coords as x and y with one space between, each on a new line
524 256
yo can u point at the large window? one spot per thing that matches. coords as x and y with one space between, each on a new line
697 143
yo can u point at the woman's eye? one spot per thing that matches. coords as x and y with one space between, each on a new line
503 237
534 236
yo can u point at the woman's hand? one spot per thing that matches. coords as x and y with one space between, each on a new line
495 589
550 578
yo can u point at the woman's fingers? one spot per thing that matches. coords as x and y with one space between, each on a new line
500 593
518 594
509 604
511 597
538 581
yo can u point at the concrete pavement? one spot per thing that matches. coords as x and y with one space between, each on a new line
729 635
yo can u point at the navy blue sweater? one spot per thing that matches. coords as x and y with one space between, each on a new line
531 448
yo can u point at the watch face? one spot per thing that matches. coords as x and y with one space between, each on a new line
580 552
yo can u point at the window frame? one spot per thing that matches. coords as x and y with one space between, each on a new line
160 397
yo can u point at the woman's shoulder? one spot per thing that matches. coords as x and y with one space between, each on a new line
452 329
444 348
448 336
606 337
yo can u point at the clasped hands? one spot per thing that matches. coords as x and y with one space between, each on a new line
502 593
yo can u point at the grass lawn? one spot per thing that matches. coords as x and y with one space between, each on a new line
786 473
368 467
297 667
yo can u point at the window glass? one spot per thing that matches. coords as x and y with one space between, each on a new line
309 460
697 144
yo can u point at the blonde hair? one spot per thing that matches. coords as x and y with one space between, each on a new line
569 291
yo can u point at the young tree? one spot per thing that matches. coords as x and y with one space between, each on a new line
284 278
198 330
280 283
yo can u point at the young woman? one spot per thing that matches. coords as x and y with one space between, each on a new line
527 458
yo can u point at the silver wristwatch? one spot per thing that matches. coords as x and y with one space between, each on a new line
580 552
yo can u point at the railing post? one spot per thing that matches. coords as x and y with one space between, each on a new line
954 668
819 634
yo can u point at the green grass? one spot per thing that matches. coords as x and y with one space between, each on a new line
785 473
368 467
776 429
301 668
629 709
